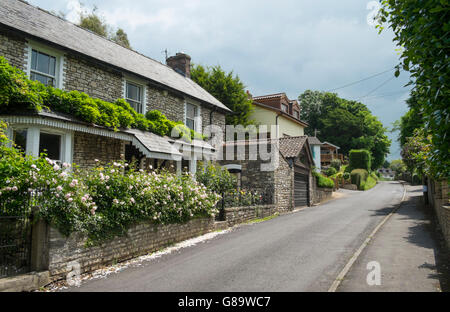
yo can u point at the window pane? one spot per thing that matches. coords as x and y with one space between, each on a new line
191 111
136 106
133 92
190 123
52 66
44 79
51 145
20 139
43 63
33 59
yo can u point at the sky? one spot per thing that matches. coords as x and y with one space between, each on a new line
273 46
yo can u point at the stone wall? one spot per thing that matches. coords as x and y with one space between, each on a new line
237 215
88 147
140 240
97 81
438 198
320 194
284 186
13 49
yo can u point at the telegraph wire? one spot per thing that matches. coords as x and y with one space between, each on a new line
361 80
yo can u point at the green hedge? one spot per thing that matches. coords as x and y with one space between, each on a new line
359 177
323 181
360 159
330 171
18 93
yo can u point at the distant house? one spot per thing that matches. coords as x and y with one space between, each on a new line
329 152
316 145
278 110
66 56
387 173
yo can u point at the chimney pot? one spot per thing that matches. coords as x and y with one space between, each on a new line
181 63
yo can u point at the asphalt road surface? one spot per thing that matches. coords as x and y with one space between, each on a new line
302 251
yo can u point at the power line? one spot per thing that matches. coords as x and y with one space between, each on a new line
364 79
382 84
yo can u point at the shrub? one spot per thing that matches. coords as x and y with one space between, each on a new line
323 181
360 159
330 171
369 183
358 177
346 176
215 178
336 164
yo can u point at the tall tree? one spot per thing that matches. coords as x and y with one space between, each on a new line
348 124
95 23
422 29
121 38
228 89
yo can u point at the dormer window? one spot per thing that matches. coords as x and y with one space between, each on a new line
284 108
296 115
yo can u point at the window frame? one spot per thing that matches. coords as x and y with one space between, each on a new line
59 62
33 141
285 106
142 85
197 119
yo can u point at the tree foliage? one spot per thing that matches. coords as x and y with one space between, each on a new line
97 24
348 124
422 29
228 89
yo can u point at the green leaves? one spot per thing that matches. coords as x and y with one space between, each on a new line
421 28
228 89
347 124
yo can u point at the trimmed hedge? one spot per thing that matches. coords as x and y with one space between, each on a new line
17 92
323 181
359 177
360 159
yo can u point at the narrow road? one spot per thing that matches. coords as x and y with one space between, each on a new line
302 251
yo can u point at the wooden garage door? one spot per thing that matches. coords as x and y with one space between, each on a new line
300 189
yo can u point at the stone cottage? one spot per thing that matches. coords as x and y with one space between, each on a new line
59 53
287 182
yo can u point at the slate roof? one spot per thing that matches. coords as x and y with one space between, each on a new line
291 146
153 142
314 141
43 25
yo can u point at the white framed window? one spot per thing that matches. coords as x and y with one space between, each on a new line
284 108
57 144
134 92
45 64
296 114
192 116
134 95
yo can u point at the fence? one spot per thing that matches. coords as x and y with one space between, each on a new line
241 198
15 234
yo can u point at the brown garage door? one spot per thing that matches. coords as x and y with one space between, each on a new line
300 189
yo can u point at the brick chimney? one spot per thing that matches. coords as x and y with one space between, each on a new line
181 63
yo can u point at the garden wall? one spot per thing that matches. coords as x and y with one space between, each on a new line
438 197
141 239
321 194
237 215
